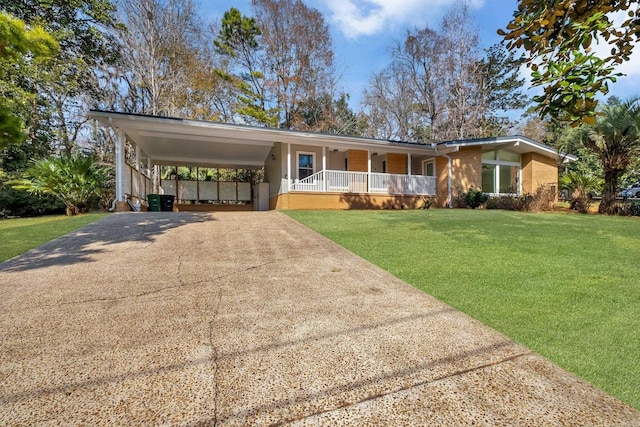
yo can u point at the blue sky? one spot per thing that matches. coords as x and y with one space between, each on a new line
364 30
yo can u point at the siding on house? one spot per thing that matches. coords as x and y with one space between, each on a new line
467 169
442 182
397 163
358 160
538 170
337 201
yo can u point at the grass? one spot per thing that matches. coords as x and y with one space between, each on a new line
21 234
564 285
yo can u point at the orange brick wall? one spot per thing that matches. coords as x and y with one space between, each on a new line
358 161
538 170
442 181
336 201
467 169
397 163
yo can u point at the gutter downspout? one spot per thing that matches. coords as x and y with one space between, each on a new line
450 168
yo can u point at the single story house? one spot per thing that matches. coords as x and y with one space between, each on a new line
306 170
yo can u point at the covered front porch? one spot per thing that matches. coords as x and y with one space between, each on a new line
366 182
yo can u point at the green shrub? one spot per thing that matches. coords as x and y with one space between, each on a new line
474 198
74 179
543 199
633 209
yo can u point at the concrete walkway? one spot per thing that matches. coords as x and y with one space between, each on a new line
252 319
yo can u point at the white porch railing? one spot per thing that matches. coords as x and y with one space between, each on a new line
386 183
363 182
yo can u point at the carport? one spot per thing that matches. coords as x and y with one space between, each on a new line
176 142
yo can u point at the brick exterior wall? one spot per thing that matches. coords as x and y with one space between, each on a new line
467 169
336 201
397 163
358 161
538 170
442 182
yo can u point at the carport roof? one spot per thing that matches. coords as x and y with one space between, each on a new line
171 141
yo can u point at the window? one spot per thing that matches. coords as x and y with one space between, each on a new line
429 167
488 179
306 164
500 172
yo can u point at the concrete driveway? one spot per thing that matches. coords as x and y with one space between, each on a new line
253 319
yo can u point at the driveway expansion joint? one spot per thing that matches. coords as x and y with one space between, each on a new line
376 396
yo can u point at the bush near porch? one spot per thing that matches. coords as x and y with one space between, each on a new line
566 286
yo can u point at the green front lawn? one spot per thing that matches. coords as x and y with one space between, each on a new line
21 234
564 285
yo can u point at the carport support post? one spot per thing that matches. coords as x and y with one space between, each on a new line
138 173
119 165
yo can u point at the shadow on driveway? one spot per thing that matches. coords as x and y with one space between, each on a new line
82 244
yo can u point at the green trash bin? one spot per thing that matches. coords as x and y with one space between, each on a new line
154 202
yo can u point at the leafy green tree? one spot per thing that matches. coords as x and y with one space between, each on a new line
238 39
558 38
74 179
20 48
615 138
87 47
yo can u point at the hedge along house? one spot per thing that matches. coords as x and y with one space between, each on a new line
305 170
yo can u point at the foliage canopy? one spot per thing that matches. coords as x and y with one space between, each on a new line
559 37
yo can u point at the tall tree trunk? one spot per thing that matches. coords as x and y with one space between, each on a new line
608 204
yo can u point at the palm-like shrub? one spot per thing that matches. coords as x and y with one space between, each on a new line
615 138
580 186
73 178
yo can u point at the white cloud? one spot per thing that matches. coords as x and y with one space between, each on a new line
370 17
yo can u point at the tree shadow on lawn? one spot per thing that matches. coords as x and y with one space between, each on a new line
76 247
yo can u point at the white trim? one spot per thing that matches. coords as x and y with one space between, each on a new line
313 162
324 166
496 175
205 132
425 163
289 178
120 164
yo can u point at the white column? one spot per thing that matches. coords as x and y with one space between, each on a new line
324 168
288 167
409 164
137 158
368 170
119 165
138 178
149 166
